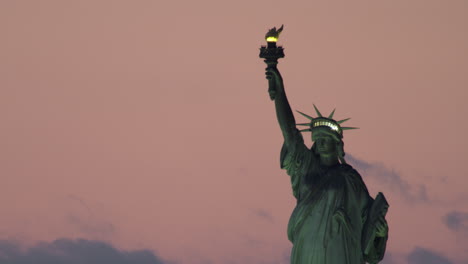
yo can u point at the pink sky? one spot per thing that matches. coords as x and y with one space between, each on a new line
147 124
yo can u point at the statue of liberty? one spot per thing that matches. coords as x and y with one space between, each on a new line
335 220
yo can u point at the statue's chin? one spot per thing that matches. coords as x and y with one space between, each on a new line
327 155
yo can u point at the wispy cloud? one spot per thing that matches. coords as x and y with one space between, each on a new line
456 221
80 201
390 178
426 256
84 219
286 257
263 214
253 242
68 251
388 259
91 227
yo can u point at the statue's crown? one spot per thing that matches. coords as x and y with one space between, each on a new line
322 122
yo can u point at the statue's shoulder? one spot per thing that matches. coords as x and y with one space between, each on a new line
296 150
353 176
348 169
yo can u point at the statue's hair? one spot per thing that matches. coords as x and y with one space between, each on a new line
340 150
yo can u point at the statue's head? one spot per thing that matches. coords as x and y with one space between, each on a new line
327 135
326 143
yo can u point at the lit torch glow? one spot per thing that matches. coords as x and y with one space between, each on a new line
273 34
271 53
271 39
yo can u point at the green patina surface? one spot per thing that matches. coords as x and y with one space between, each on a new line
335 220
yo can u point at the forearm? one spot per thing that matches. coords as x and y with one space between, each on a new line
283 110
284 114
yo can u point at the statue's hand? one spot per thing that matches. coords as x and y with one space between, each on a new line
272 73
381 227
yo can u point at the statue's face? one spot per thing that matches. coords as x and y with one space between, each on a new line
325 145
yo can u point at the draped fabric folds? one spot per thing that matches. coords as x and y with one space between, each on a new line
327 222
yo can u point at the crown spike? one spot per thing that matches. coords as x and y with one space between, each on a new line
344 120
332 113
303 124
318 112
305 130
347 128
309 117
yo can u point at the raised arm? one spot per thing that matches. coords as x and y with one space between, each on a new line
283 110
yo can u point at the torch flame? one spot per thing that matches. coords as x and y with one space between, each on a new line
273 34
271 39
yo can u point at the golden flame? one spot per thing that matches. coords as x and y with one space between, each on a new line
271 39
273 34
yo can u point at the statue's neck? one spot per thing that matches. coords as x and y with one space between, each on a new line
329 160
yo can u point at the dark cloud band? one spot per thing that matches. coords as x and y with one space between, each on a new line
68 251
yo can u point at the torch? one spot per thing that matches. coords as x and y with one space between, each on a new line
271 53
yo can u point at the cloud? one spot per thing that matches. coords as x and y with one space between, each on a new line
68 251
80 201
87 221
456 221
390 178
426 256
263 214
252 242
388 259
90 227
285 257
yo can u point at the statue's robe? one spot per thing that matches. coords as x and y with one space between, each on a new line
326 225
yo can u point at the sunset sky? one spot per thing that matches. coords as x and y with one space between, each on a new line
142 131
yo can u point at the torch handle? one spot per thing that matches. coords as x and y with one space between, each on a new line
271 88
271 63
